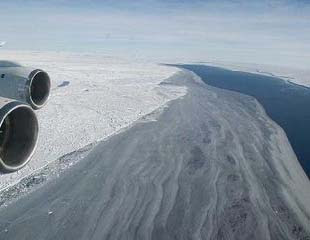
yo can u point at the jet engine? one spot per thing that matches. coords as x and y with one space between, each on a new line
24 84
22 90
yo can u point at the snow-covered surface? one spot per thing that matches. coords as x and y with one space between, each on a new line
92 97
300 76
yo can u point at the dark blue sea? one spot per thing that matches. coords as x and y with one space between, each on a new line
286 103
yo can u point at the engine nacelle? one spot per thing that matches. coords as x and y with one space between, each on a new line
24 84
18 134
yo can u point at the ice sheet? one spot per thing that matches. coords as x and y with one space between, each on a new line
92 97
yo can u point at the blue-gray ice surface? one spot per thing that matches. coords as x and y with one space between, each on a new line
211 165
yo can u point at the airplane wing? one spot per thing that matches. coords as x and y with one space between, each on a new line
1 44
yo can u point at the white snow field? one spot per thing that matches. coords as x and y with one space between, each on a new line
300 76
92 97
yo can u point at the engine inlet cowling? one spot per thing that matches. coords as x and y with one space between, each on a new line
18 134
38 88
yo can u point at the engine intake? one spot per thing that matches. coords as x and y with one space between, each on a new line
18 134
39 88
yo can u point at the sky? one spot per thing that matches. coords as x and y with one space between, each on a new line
270 32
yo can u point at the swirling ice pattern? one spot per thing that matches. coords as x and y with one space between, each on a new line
213 166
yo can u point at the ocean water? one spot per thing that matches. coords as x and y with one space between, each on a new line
286 103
